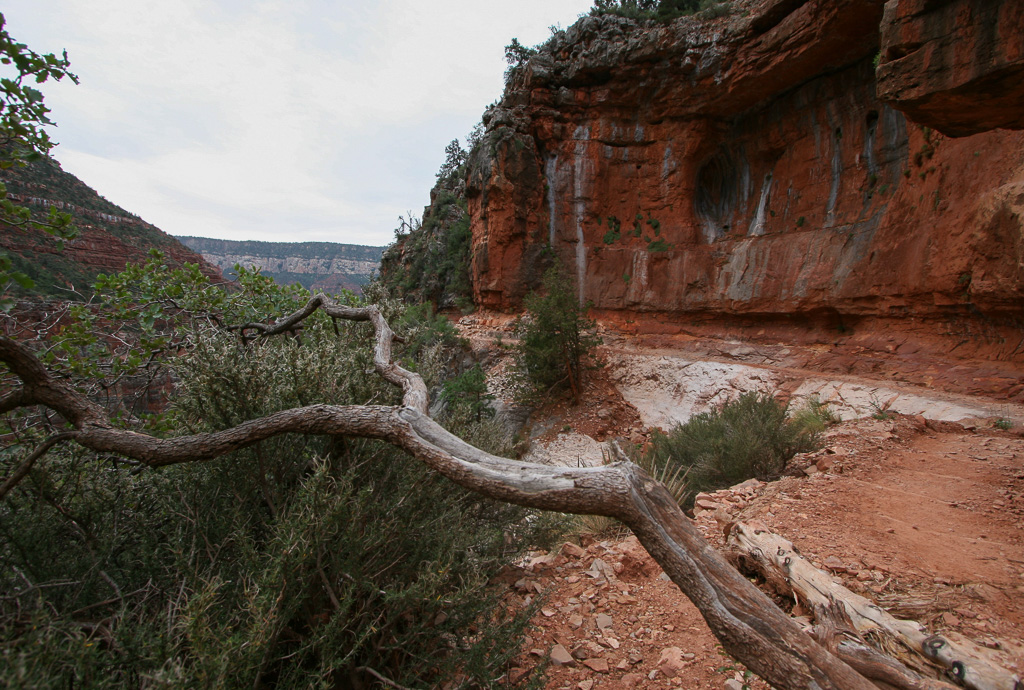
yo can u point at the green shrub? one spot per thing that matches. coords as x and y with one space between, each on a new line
467 395
299 562
555 339
661 10
815 417
747 437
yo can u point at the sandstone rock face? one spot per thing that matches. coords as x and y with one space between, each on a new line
742 171
955 66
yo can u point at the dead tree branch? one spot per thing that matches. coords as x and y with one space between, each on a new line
748 624
844 614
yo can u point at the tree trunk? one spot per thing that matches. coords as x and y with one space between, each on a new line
748 624
837 607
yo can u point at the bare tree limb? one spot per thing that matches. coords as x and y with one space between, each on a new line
791 573
383 679
748 624
15 399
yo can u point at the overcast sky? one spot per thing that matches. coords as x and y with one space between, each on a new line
280 120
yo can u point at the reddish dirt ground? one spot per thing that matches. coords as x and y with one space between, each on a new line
926 519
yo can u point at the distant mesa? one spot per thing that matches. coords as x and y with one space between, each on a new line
327 266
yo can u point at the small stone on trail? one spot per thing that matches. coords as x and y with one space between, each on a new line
604 621
575 621
733 684
599 665
560 656
631 680
835 565
748 485
599 569
572 550
548 612
585 684
671 661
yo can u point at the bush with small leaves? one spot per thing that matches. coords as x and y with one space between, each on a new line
555 340
747 437
298 562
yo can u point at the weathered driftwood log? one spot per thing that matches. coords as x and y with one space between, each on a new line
746 621
846 620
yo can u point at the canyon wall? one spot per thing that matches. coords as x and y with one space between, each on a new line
108 239
327 266
742 176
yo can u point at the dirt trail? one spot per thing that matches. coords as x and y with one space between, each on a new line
926 521
925 517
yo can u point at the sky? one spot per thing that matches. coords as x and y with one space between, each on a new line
274 120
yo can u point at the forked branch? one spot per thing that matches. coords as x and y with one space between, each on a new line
748 624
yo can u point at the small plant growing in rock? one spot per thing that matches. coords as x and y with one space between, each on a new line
1004 424
880 410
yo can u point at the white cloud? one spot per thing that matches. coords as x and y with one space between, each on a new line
279 119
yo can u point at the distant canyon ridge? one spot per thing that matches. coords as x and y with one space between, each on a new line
325 266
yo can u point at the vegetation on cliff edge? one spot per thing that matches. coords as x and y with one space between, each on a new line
429 260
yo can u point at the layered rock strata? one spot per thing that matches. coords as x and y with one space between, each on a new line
108 238
741 175
955 66
329 266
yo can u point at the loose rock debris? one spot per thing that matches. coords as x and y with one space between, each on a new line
924 519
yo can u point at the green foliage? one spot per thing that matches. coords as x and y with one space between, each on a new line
815 417
748 437
1002 423
430 259
454 161
658 245
516 55
467 395
661 10
298 562
24 118
880 410
431 343
555 338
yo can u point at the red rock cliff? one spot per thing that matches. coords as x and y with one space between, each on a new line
743 171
